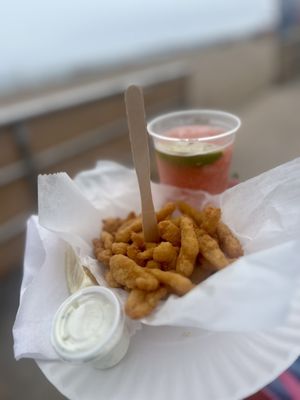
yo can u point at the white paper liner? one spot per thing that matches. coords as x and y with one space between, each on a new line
253 294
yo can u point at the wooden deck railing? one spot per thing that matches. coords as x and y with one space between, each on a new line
69 131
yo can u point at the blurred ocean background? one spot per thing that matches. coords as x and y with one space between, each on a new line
44 41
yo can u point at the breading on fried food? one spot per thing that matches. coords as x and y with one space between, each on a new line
150 245
119 248
146 254
177 283
139 303
152 264
138 239
110 280
210 250
124 233
165 211
200 274
164 252
106 240
132 253
211 218
128 220
228 242
202 271
111 225
186 209
189 247
127 273
192 247
169 232
176 221
101 254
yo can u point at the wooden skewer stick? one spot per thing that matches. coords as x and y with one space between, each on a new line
135 109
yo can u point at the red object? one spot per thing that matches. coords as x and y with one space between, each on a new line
259 396
212 177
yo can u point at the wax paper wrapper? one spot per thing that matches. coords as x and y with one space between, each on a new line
253 294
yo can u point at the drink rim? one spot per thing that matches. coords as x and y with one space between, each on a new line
193 111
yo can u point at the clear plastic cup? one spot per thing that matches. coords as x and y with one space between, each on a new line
194 148
89 327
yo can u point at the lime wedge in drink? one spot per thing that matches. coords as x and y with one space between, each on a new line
189 153
191 161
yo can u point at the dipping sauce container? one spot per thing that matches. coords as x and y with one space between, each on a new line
89 326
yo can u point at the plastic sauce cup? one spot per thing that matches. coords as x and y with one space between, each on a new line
89 326
194 148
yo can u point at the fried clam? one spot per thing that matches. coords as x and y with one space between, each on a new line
210 219
101 254
124 233
228 242
139 303
189 247
165 254
119 248
111 225
107 240
110 280
210 250
169 232
177 283
192 212
127 273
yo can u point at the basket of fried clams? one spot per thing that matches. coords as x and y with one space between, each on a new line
193 245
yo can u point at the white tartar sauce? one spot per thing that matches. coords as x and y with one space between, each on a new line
85 323
89 327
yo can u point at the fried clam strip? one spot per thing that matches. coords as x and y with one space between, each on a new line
186 209
189 247
228 242
106 240
146 254
119 248
111 225
169 232
202 271
127 273
165 254
165 211
139 303
152 264
200 274
177 283
101 254
128 220
211 218
132 253
210 250
124 234
138 239
111 281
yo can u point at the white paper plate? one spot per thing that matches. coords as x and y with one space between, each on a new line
176 363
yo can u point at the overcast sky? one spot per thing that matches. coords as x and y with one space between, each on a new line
41 40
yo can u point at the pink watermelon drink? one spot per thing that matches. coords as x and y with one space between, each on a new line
194 148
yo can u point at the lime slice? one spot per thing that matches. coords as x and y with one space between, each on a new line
198 160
